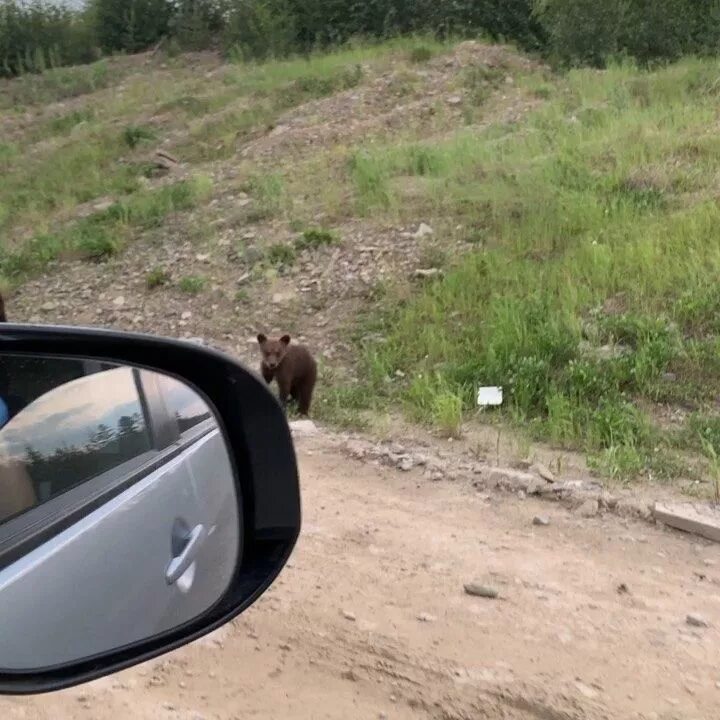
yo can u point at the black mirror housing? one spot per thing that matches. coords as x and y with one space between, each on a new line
261 451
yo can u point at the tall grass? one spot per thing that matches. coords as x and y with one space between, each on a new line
591 281
102 234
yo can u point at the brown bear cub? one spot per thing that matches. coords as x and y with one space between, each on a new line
292 366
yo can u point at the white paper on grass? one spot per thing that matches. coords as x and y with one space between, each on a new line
489 396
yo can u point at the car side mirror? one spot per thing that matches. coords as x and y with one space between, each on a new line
148 495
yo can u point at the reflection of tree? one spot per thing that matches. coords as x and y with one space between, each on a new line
105 448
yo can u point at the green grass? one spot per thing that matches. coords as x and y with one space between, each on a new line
596 273
156 278
192 284
281 255
134 135
316 237
261 92
56 84
103 234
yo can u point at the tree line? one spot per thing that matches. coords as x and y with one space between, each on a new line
37 34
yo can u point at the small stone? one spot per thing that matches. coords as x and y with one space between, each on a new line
348 675
203 257
454 100
535 487
586 690
426 617
48 306
436 476
708 563
478 590
119 301
589 508
669 376
696 620
541 520
349 615
717 684
406 463
427 273
622 589
303 428
284 646
186 315
103 205
544 472
243 278
423 231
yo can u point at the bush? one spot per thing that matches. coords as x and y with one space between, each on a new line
130 26
589 32
39 35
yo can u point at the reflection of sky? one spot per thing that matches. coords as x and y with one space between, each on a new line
179 396
70 413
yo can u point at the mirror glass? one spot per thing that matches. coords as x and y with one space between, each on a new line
119 515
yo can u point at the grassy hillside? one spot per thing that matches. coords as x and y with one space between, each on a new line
589 289
575 228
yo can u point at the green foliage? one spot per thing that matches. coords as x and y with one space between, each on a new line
588 32
39 35
130 26
192 284
133 135
281 255
314 238
36 36
594 293
157 277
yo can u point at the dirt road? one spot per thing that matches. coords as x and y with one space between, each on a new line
370 619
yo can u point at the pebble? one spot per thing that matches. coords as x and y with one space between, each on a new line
406 463
423 231
186 315
427 273
478 590
349 615
696 620
119 301
541 520
349 675
426 617
589 508
586 690
544 472
303 428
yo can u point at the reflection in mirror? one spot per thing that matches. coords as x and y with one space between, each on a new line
119 517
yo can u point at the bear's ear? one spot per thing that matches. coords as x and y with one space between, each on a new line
262 339
285 339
